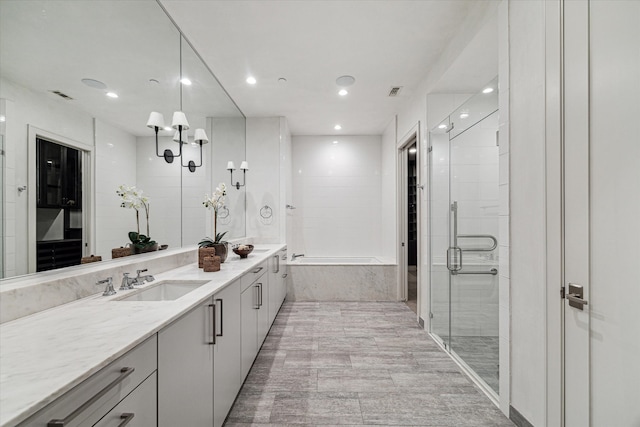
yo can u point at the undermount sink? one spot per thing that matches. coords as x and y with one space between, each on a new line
260 250
167 290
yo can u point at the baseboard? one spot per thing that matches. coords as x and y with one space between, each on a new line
517 418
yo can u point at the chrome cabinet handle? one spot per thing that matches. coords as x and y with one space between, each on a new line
257 306
284 276
213 324
576 299
284 257
221 317
277 264
260 287
126 418
257 270
124 373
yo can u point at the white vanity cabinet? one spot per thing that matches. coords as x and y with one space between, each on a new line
139 409
255 315
99 395
185 369
226 360
277 282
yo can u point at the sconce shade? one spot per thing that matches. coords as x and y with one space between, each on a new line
156 120
244 166
185 137
230 166
179 119
200 136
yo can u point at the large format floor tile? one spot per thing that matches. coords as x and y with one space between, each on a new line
362 363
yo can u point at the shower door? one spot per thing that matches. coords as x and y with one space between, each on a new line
464 236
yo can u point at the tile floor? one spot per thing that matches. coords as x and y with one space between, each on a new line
361 363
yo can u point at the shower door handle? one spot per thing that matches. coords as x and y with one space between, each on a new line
454 254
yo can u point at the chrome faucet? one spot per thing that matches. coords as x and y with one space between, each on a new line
294 256
108 291
127 282
140 280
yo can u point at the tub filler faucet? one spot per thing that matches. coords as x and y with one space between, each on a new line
294 256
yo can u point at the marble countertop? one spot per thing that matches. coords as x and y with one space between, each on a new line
44 355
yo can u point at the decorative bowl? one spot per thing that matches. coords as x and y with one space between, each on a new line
243 250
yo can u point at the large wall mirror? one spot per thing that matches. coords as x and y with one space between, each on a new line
69 142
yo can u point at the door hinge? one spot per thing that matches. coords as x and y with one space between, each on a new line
562 293
403 244
430 149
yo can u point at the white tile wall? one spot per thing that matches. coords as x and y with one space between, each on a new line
115 165
337 190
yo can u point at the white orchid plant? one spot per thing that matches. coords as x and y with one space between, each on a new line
133 198
215 202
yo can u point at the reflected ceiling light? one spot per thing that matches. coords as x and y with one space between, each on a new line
96 84
413 150
251 80
343 92
3 119
442 126
487 90
464 115
112 94
337 127
335 142
244 166
185 81
345 81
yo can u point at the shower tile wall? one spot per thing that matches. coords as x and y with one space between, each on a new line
474 175
337 193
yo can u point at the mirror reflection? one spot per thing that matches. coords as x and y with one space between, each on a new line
78 82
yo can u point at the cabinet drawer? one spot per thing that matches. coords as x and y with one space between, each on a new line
139 409
89 401
253 275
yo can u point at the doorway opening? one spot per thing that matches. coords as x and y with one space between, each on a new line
412 227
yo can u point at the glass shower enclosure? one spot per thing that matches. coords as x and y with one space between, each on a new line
464 207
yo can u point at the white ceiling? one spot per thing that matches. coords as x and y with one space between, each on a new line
381 43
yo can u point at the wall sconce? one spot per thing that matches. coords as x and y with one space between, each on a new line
200 138
245 167
179 122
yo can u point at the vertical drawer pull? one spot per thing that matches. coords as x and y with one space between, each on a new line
124 373
213 324
221 317
126 418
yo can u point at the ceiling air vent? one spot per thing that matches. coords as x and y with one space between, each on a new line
395 91
62 95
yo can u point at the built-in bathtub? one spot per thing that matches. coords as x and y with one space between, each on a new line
342 279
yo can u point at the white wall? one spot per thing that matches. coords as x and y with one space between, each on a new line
337 192
24 107
527 208
115 161
388 189
160 181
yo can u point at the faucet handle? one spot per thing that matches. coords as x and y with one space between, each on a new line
141 271
108 291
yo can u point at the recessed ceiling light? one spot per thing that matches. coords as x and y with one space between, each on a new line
112 94
96 84
337 127
335 142
251 80
487 90
345 81
442 126
464 115
185 81
343 92
413 150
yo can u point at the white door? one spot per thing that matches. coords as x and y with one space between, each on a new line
602 213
